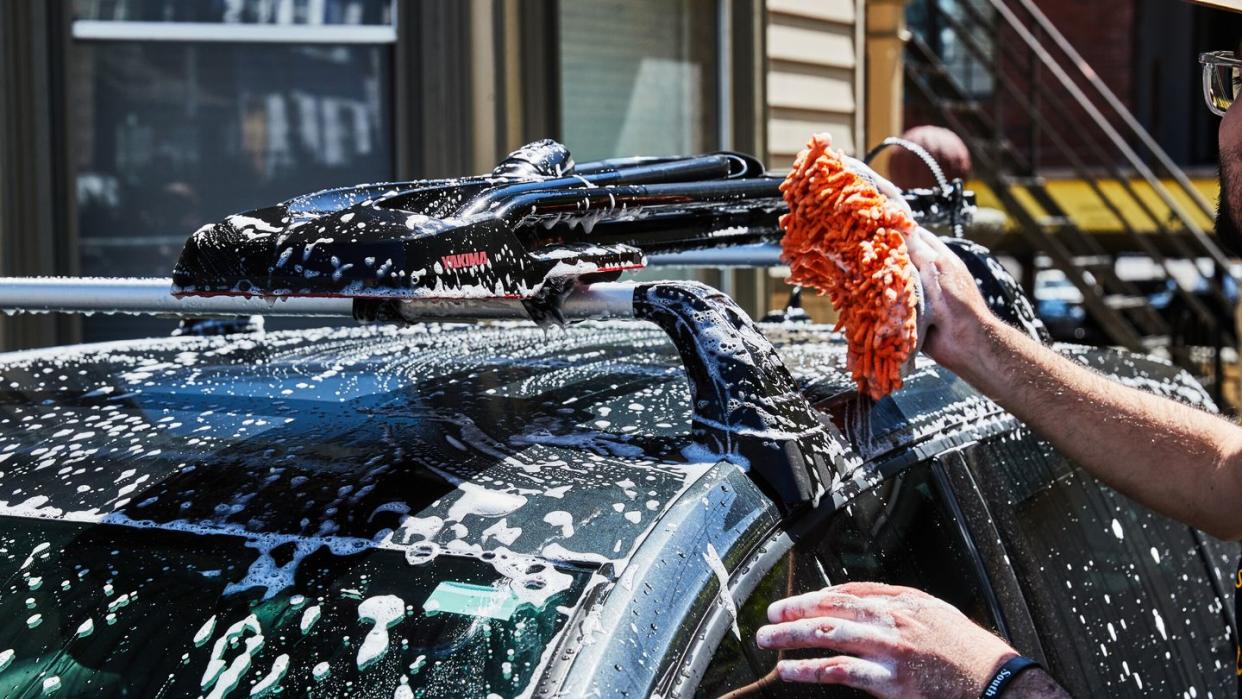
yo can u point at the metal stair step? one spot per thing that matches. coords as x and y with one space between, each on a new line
1093 261
1023 180
925 68
1123 301
1156 341
1054 221
962 105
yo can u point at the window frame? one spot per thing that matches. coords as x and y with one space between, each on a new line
976 519
79 34
1008 612
232 33
37 211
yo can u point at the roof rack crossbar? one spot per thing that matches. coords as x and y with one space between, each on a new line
709 167
676 197
151 296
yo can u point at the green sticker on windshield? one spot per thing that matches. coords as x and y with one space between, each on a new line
471 600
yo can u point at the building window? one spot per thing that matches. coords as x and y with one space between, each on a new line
638 77
935 22
182 113
285 13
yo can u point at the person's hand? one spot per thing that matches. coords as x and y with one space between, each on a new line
958 314
952 304
894 642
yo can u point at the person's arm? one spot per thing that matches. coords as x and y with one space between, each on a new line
1177 460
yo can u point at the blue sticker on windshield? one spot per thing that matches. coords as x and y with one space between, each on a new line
471 600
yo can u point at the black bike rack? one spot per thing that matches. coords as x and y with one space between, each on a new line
745 403
537 238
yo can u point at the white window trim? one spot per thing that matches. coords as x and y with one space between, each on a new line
107 30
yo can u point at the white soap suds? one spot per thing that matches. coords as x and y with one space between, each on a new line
321 671
383 612
477 500
722 577
502 533
562 519
271 680
309 617
205 631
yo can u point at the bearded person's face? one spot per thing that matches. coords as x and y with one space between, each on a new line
1229 209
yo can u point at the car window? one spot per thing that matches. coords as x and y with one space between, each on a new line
90 618
738 662
900 532
354 490
1121 597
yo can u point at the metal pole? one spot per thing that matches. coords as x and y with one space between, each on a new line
594 302
147 296
150 296
756 255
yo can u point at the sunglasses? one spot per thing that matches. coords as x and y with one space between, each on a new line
1222 79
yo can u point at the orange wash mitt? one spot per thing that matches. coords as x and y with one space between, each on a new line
846 239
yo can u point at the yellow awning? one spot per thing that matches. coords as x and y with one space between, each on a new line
1091 213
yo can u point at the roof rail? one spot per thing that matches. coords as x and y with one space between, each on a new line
746 406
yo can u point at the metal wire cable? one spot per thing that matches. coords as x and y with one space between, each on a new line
915 148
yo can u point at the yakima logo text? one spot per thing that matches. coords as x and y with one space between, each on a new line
465 259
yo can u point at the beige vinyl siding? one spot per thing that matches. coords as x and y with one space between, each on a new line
812 74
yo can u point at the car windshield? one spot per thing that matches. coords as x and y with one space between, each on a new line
417 510
106 615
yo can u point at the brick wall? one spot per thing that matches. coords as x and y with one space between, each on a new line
1104 34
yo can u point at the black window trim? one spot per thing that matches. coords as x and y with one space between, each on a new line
976 517
1223 594
757 564
947 494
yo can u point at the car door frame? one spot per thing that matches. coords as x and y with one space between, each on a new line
978 529
961 496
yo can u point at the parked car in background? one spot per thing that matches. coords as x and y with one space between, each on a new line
1059 304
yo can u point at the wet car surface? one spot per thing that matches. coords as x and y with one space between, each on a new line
497 509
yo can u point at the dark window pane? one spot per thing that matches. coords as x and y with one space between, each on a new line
964 65
1120 595
901 532
737 664
116 624
238 11
173 136
638 77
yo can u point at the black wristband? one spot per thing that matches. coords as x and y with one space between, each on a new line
1006 674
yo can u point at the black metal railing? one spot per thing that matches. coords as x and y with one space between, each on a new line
1040 89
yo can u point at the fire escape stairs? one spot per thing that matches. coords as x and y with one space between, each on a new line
1048 98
